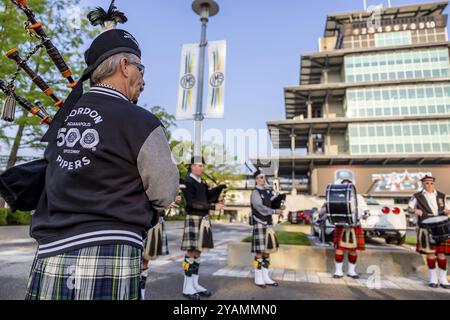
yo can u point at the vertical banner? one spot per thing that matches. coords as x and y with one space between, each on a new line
217 52
187 86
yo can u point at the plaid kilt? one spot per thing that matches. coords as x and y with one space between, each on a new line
165 241
191 234
360 241
107 272
259 238
440 248
163 248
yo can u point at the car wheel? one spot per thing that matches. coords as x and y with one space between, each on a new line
401 240
329 238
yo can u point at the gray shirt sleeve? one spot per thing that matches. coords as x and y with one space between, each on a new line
259 206
158 171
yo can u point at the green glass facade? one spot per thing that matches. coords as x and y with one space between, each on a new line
400 137
397 65
412 100
393 39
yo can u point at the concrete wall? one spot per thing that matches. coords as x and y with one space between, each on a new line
395 263
338 144
335 77
336 110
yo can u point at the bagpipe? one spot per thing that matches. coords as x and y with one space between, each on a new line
215 194
278 199
36 30
23 185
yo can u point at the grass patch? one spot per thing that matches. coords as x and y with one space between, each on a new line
288 238
177 217
411 240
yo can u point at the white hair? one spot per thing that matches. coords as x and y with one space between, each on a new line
108 67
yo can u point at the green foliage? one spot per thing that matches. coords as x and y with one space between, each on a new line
167 119
19 218
3 217
55 15
7 217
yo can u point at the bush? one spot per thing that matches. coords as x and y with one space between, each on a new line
4 217
19 218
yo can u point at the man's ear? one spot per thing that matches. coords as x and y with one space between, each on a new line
123 67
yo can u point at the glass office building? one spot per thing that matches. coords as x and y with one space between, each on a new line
373 102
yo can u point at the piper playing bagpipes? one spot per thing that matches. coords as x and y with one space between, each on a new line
197 235
97 189
264 204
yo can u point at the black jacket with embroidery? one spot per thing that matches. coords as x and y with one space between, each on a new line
109 171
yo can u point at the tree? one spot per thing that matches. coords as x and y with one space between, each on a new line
167 119
53 14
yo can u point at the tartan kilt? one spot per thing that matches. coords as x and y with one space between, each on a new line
360 241
165 241
259 238
191 234
163 244
440 247
106 272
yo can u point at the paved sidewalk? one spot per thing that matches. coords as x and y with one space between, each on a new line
367 281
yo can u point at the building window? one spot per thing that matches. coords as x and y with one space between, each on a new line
402 64
393 39
413 100
407 137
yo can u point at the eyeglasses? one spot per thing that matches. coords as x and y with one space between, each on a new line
140 66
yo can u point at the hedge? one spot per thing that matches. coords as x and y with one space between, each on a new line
14 218
3 217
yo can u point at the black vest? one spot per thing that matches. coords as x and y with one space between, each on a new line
266 196
422 204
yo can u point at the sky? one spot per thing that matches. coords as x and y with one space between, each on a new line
265 40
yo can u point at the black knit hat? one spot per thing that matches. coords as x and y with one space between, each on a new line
108 44
257 173
103 47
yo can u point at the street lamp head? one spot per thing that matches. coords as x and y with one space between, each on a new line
205 8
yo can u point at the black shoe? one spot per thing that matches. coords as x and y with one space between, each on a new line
445 286
193 297
275 284
263 286
205 294
433 285
337 276
356 277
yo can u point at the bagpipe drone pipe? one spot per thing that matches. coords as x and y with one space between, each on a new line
22 186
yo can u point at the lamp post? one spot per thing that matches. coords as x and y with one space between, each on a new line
205 9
